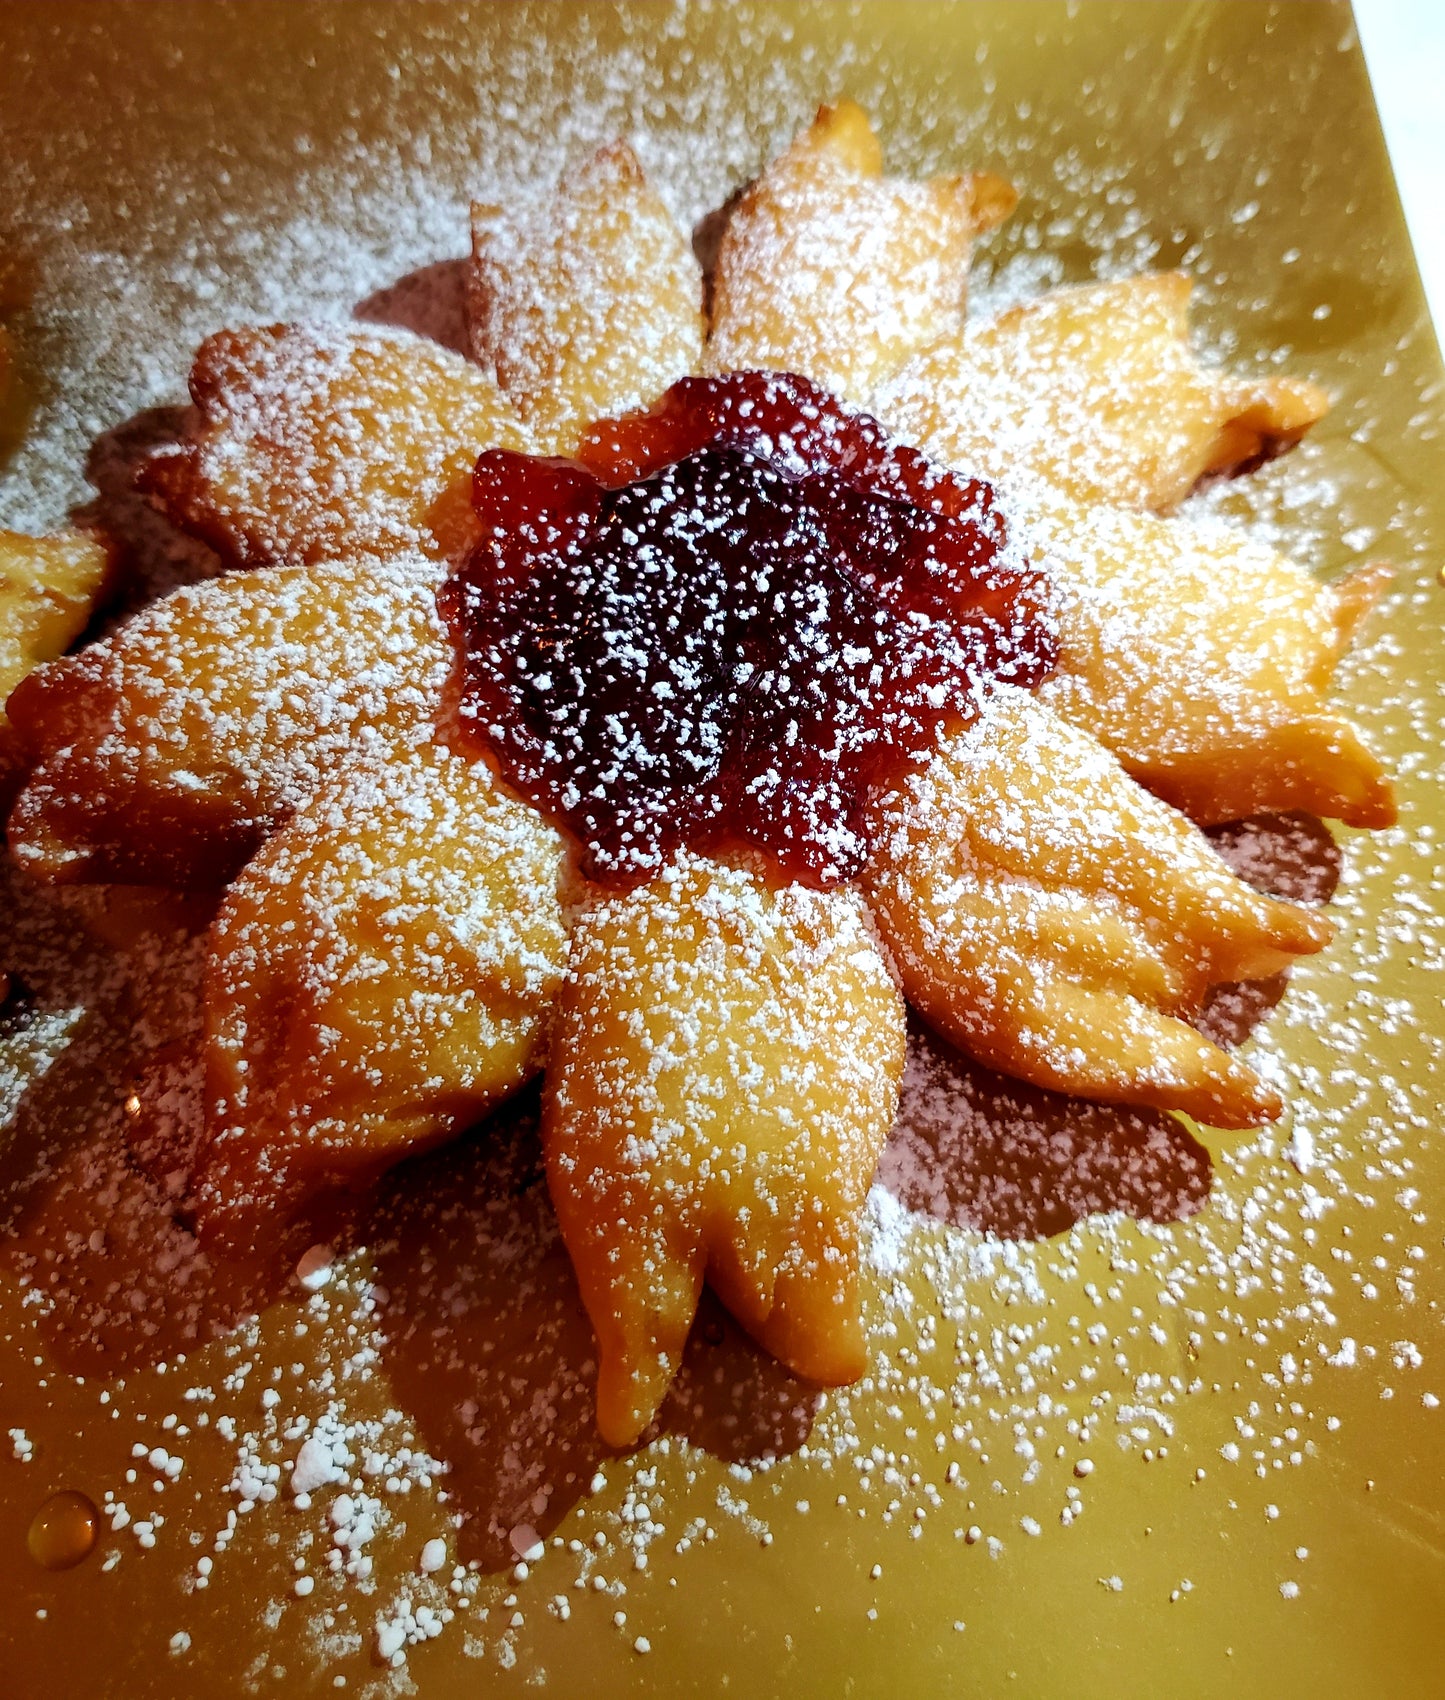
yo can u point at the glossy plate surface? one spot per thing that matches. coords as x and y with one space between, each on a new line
1150 1413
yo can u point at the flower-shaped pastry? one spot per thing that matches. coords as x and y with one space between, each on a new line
405 937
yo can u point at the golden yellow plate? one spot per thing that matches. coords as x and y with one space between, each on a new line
1150 1413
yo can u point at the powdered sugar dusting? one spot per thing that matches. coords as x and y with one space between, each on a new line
1016 1386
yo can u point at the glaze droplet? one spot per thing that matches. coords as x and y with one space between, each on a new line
63 1531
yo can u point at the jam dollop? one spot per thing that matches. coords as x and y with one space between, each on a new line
729 621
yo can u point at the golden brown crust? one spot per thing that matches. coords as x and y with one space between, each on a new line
724 1071
49 589
588 304
1096 391
377 979
1054 920
831 269
166 752
1203 661
328 442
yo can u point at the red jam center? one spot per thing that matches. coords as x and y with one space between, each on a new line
729 622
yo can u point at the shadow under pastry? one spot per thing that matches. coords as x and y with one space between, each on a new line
430 302
486 1340
103 1011
152 556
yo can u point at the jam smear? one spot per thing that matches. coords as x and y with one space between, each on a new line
731 620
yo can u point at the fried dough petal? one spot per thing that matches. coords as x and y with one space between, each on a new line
49 588
587 304
724 1070
1096 391
377 979
831 269
166 751
1054 920
1203 659
321 442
